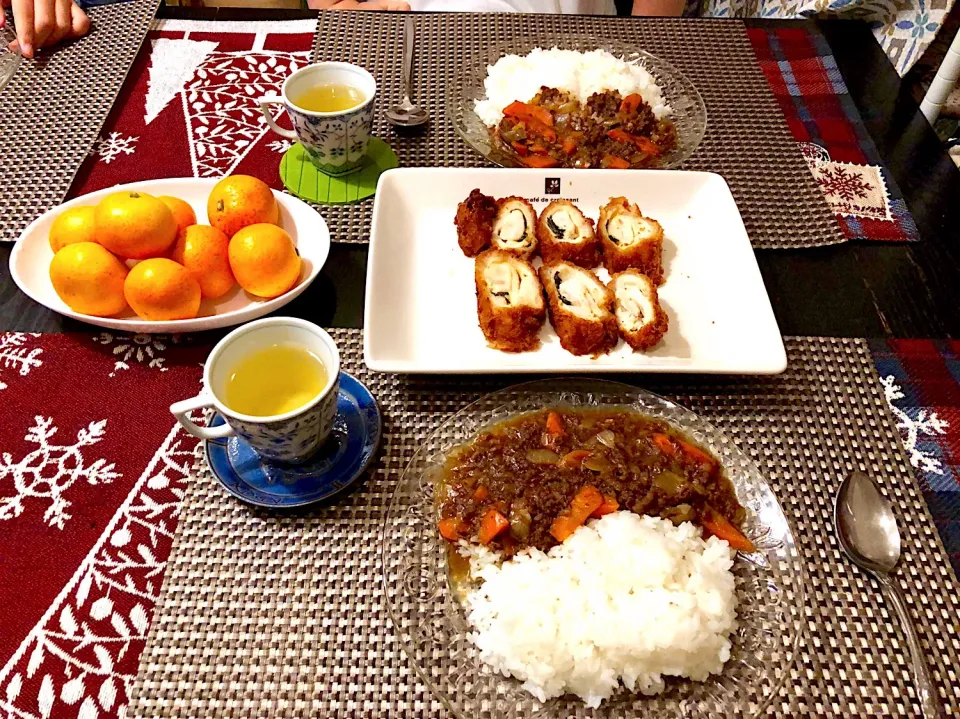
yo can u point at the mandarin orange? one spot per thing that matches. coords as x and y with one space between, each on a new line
264 260
161 289
89 279
203 250
134 225
238 201
73 225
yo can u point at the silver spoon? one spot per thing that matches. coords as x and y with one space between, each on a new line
867 529
406 114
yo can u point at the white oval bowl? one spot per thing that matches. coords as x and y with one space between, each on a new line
30 260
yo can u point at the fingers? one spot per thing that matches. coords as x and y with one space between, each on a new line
44 21
63 23
41 23
23 17
79 22
398 6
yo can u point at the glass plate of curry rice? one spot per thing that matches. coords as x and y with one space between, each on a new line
424 575
687 112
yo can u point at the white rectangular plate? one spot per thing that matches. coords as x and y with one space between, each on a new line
421 307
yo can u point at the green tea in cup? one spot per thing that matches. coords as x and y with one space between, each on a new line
331 97
274 380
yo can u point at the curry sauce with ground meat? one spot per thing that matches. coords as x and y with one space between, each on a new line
532 480
609 131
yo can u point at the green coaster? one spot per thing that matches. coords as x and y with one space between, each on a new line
303 179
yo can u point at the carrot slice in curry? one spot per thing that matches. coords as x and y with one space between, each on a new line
491 525
615 162
526 111
538 161
664 444
696 453
609 506
630 104
721 528
554 424
451 528
585 503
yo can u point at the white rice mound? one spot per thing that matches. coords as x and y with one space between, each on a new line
625 600
520 77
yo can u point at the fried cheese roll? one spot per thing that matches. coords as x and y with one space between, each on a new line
641 319
565 234
515 227
510 303
474 222
630 240
581 309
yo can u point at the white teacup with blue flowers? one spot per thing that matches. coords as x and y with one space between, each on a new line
290 437
336 142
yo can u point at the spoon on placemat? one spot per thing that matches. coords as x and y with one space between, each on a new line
406 114
868 533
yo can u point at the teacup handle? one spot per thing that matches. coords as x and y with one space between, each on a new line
265 103
183 407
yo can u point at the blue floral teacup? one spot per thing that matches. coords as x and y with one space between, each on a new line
290 437
336 142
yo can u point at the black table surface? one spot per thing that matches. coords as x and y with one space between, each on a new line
855 289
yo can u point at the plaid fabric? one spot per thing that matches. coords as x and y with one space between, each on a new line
921 379
821 114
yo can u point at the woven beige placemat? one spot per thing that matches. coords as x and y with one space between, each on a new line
747 140
54 107
282 615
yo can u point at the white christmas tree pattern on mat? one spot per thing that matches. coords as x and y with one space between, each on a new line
139 349
50 470
912 429
72 662
109 148
17 355
223 117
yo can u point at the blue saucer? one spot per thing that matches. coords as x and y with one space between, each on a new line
336 465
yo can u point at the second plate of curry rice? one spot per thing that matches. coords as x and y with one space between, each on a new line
555 270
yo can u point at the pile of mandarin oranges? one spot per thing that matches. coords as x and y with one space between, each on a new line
148 253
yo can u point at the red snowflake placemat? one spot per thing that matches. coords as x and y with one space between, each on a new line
921 381
92 470
189 106
823 118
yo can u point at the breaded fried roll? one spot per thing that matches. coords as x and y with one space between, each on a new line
510 303
641 319
581 309
515 227
474 222
565 234
630 240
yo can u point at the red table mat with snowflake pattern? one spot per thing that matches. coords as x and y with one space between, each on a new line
825 122
921 380
189 105
93 468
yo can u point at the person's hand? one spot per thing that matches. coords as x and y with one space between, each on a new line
42 23
388 5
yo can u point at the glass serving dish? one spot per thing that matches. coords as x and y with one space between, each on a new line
9 61
430 621
689 114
